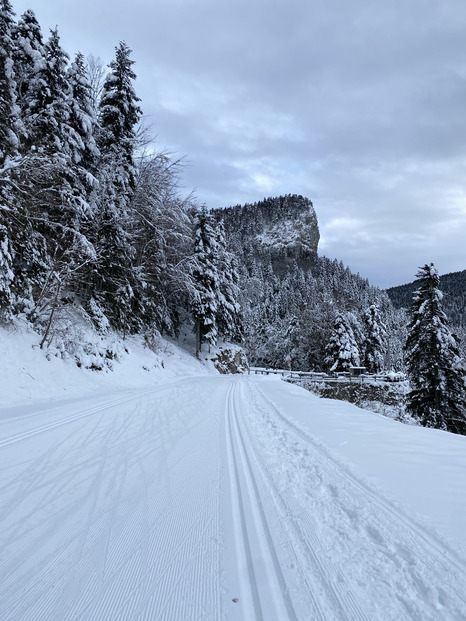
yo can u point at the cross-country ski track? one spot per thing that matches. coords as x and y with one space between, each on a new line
205 499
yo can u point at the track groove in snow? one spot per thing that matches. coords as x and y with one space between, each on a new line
173 502
114 515
263 592
407 573
64 421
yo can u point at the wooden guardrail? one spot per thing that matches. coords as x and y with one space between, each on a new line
324 377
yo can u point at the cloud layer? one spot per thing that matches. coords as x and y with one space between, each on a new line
360 106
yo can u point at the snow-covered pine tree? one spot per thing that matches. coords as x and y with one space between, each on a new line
375 341
437 376
9 111
119 116
228 309
316 320
204 294
293 345
9 129
82 119
23 248
28 59
83 155
47 106
342 350
113 274
54 185
73 149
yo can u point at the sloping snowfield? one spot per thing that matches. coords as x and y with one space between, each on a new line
228 498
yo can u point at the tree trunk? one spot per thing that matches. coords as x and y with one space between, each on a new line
52 313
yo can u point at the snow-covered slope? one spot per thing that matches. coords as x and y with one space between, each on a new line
208 497
29 375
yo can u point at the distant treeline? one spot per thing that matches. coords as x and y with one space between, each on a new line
452 285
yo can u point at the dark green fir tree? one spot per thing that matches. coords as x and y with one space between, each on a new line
437 398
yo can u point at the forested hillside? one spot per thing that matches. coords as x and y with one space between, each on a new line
293 300
452 285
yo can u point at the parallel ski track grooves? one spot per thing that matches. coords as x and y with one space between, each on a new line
121 599
82 414
246 499
443 556
64 421
310 556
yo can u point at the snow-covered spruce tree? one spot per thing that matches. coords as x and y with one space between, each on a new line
113 276
228 309
204 292
342 350
293 345
119 116
375 341
9 111
28 59
46 105
317 320
54 186
82 119
23 247
9 128
438 394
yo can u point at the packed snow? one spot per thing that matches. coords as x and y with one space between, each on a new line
170 492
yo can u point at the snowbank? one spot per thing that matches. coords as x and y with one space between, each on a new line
421 470
31 375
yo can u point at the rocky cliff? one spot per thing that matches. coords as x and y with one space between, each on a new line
285 229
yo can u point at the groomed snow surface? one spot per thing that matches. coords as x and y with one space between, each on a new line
194 496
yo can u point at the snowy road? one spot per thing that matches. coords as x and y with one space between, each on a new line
204 500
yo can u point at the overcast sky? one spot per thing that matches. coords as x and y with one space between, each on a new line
360 106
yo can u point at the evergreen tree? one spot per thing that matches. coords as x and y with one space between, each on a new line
28 60
342 349
113 275
9 111
228 308
317 321
53 201
46 105
204 295
82 120
24 248
9 129
437 398
375 342
119 116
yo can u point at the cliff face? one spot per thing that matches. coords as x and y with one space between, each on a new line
283 229
297 231
288 294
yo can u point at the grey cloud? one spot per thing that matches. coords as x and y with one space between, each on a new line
359 106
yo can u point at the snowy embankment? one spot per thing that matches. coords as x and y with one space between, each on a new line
28 377
218 498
